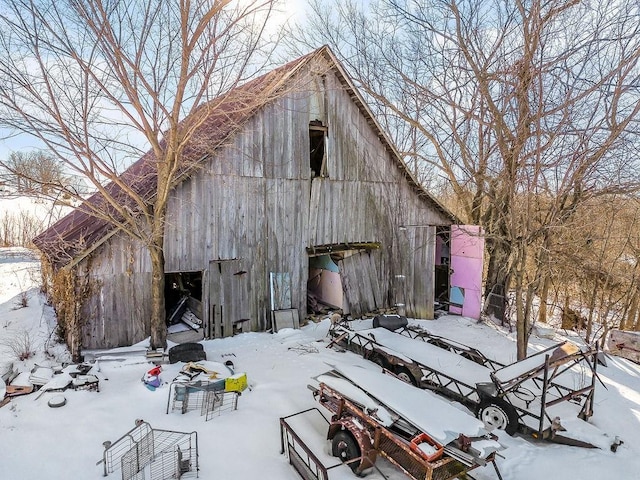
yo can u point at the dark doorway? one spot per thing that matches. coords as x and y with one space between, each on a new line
442 268
183 298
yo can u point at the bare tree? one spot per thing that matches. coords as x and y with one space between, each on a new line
526 109
100 81
33 172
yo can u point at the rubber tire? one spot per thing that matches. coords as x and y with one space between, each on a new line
345 447
404 374
390 322
503 416
187 352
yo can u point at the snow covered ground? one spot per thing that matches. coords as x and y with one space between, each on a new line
40 442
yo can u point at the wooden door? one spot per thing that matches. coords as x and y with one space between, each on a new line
360 282
228 298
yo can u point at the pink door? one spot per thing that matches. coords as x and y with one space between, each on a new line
467 249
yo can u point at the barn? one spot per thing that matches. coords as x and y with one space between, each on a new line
304 206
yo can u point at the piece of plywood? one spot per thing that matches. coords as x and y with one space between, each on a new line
288 318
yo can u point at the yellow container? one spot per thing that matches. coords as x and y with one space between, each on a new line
236 383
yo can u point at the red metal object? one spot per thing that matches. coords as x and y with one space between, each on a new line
436 450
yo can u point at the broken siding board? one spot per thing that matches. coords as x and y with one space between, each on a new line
370 285
289 163
420 292
359 283
375 278
314 210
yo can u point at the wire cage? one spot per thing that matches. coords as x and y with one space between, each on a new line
148 453
209 398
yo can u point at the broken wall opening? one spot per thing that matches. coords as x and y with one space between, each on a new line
183 300
442 268
324 286
356 276
317 148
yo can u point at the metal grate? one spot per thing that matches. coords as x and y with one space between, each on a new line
216 403
114 451
162 454
390 449
209 398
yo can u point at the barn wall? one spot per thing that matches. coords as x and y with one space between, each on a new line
118 311
367 198
256 202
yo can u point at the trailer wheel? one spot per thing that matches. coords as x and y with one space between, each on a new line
345 447
378 360
496 413
404 374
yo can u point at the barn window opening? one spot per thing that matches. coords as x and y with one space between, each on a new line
317 149
183 300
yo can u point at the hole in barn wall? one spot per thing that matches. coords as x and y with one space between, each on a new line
183 298
317 149
324 286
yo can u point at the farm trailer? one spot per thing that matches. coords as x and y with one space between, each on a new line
374 414
532 396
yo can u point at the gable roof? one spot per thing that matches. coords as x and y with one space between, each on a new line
80 232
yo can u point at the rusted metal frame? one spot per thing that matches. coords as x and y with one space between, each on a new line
546 385
345 406
570 396
364 342
361 341
457 348
563 392
515 382
342 405
543 399
512 384
311 457
442 384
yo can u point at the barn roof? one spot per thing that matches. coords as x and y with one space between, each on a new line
80 232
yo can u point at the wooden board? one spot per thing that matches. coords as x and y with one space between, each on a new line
16 390
625 344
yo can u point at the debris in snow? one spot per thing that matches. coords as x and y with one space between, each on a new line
303 349
40 375
151 379
57 401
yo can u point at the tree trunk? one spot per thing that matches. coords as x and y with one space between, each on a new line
592 307
158 321
522 303
497 281
629 322
544 297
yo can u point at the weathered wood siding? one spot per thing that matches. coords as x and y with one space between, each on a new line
118 310
253 202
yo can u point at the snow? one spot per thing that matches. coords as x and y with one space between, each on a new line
440 420
534 362
37 441
456 366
